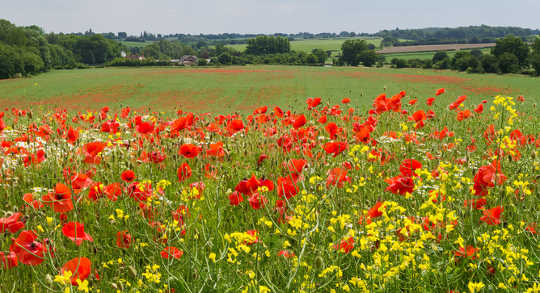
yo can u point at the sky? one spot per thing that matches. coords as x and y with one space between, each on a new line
264 16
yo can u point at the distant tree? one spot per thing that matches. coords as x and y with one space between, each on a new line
490 63
508 63
536 46
202 62
442 64
311 59
122 35
351 51
439 56
477 53
225 58
535 57
399 63
262 45
368 58
535 63
512 45
320 54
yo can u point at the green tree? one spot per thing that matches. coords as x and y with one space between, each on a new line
513 45
368 58
535 63
225 58
508 63
351 50
490 63
320 54
262 45
439 56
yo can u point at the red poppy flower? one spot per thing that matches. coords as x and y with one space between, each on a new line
375 212
439 92
430 101
469 252
145 127
29 199
235 125
299 121
286 253
249 186
486 177
286 187
28 250
254 237
235 198
492 216
123 239
189 150
171 252
260 110
313 102
113 191
257 201
408 166
216 150
128 175
80 267
479 109
11 223
457 103
91 151
75 232
183 172
8 261
476 203
332 129
345 245
295 165
60 199
72 136
80 181
346 100
262 157
336 176
335 147
400 185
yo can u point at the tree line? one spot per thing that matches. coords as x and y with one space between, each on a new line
468 34
510 55
28 50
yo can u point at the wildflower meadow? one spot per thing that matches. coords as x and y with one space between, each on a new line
410 194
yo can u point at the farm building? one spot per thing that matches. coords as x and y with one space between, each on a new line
188 60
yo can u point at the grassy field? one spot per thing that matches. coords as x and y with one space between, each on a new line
310 44
230 89
136 44
425 55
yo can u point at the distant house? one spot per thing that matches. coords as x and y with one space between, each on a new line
136 57
188 60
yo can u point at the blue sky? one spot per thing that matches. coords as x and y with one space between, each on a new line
265 16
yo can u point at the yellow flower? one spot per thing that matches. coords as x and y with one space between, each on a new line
83 285
212 257
475 287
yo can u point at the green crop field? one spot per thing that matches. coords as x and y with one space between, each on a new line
242 88
310 44
426 55
136 44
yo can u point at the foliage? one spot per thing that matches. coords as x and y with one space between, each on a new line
512 45
262 45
